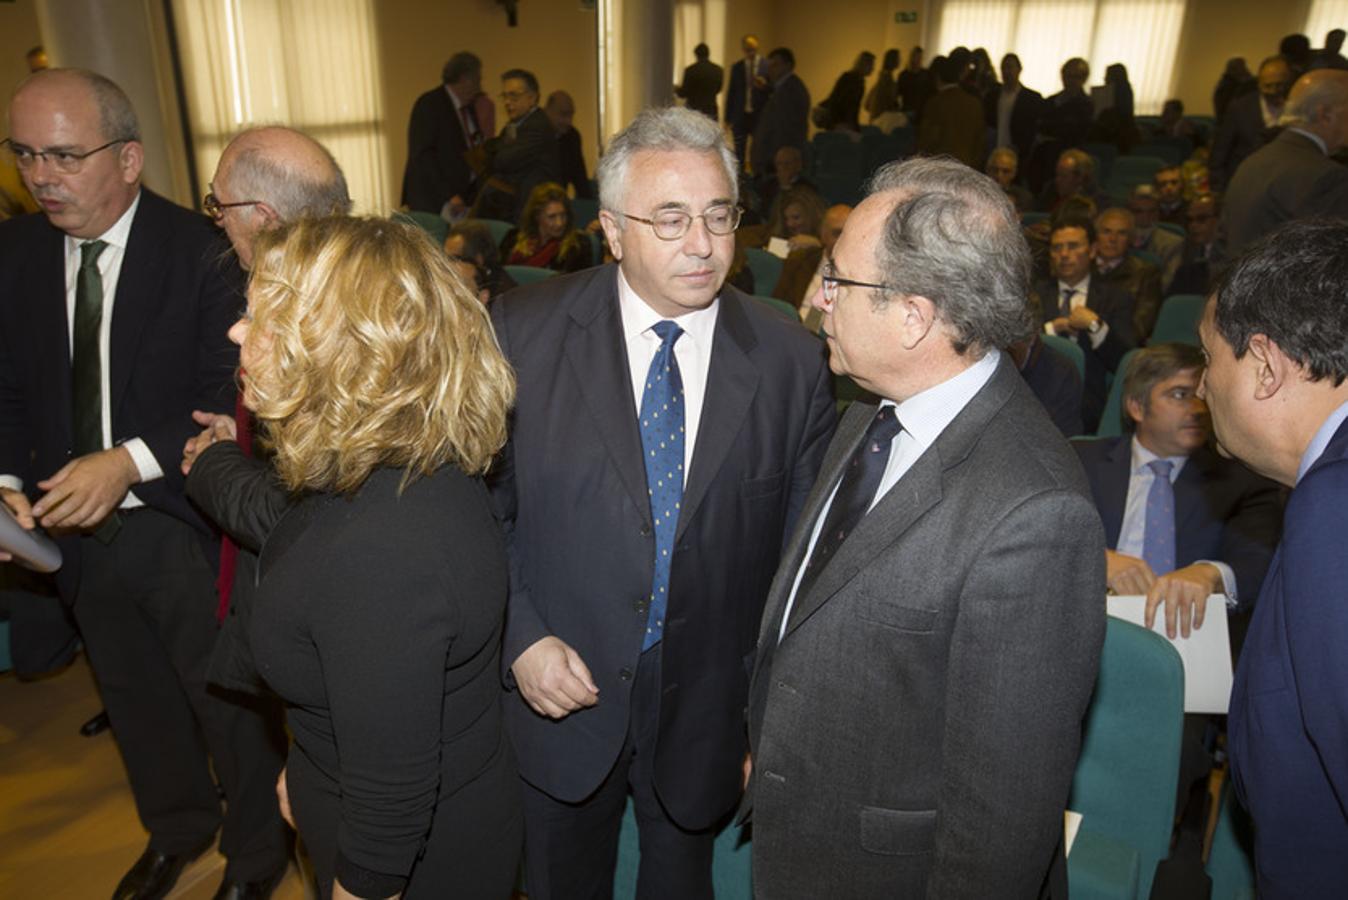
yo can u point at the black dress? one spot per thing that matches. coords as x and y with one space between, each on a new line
378 619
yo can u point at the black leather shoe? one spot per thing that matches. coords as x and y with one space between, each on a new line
155 873
249 890
97 725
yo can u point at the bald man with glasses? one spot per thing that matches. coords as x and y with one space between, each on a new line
113 330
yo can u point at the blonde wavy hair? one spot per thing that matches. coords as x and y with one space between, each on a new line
369 351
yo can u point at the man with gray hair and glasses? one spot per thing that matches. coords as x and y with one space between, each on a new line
666 431
931 640
112 331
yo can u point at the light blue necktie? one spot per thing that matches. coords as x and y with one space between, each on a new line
662 446
1158 542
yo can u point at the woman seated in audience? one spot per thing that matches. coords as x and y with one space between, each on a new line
796 216
546 238
379 609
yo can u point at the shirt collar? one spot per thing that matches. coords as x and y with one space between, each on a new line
1142 456
927 413
1316 448
1319 141
638 316
1082 287
116 236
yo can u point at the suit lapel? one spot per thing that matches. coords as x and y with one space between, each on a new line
598 359
143 267
732 381
1114 489
50 315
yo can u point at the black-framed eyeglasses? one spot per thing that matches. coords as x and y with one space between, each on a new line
673 224
831 282
67 162
216 210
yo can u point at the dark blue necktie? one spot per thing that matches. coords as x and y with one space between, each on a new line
856 492
1158 541
662 446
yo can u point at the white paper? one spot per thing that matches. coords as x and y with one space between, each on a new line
1071 824
31 549
779 247
1206 652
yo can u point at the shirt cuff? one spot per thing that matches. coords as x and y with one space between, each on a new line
1048 328
12 482
1228 580
1098 337
145 462
364 882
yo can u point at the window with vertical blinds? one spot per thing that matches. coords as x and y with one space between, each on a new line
1324 17
309 64
1143 35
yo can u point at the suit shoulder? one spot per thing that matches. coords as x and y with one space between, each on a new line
18 234
1094 453
1024 453
772 329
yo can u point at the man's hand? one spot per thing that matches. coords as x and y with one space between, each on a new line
283 798
748 770
1083 318
218 427
553 679
85 490
18 504
803 241
1061 325
1184 592
1127 575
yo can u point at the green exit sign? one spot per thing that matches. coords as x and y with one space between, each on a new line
906 18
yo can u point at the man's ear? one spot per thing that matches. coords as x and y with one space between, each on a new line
917 318
270 217
612 233
132 160
1133 408
1272 369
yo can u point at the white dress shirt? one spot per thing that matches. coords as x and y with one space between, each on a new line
1133 529
1006 103
1323 435
692 350
110 268
1083 289
923 417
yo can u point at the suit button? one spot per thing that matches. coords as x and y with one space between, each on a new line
625 673
645 531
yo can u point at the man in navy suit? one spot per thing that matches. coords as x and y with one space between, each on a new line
746 96
443 127
112 330
1275 334
1223 522
666 432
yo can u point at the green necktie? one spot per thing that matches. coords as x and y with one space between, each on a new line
86 370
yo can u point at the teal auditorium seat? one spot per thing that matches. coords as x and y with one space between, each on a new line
1130 171
430 223
1229 862
730 877
584 210
1178 319
497 228
781 307
1110 423
1069 348
1174 228
528 274
766 269
6 661
1125 780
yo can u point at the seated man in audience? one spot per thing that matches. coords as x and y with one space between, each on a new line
561 111
471 240
1170 194
1097 315
787 167
1053 377
1073 177
1181 522
523 155
1114 265
1198 263
1002 165
1165 245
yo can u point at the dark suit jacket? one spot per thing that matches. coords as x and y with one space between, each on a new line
1055 381
1287 728
1025 114
436 169
785 122
178 293
1287 179
1223 511
1141 281
844 101
952 123
572 493
916 730
702 81
1241 133
523 155
572 160
735 94
1116 308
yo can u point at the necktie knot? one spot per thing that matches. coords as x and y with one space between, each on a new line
667 331
1161 468
90 251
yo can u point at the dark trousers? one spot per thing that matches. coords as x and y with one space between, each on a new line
42 637
742 129
146 608
571 849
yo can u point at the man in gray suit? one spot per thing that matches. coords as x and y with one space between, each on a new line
1293 177
931 639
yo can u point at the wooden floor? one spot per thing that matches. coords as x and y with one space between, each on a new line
68 826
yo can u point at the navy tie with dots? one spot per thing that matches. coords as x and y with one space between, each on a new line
856 491
1158 540
662 446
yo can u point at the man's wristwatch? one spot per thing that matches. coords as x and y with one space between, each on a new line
1095 326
